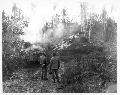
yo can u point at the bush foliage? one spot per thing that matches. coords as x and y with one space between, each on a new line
91 73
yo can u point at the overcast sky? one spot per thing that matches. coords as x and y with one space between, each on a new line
31 6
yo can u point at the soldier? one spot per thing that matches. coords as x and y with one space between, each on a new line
54 67
43 62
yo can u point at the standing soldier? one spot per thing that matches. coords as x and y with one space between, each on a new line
54 66
43 61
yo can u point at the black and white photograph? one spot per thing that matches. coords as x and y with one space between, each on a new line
59 46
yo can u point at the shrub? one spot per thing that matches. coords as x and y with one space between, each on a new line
91 72
9 65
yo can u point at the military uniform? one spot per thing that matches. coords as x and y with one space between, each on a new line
43 61
54 66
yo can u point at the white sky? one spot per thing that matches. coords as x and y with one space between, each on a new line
29 6
40 11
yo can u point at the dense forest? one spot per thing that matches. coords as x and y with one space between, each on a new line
88 53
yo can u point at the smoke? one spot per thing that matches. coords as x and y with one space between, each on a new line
59 30
42 12
39 16
53 35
